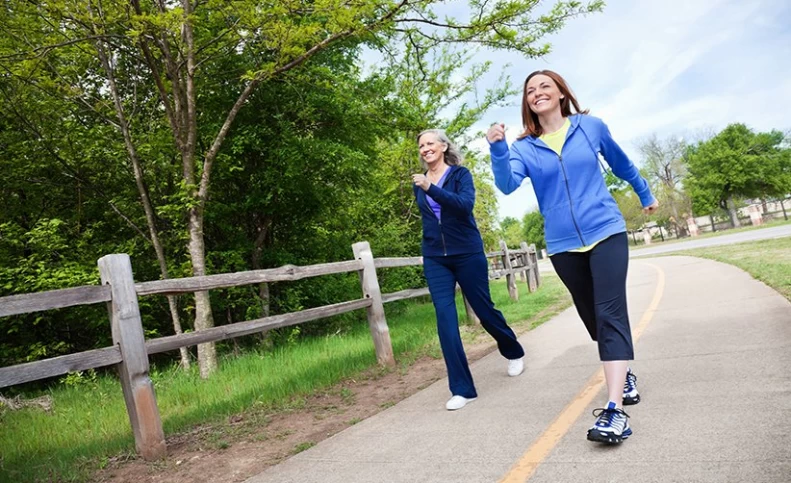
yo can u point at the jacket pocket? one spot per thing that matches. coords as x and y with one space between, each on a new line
559 223
596 212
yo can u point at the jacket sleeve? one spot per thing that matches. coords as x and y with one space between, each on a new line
508 167
460 203
622 167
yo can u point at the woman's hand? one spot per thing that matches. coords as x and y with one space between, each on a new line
496 133
421 181
650 209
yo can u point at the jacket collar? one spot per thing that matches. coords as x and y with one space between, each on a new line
574 119
451 169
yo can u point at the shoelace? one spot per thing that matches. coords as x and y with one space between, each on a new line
606 415
629 384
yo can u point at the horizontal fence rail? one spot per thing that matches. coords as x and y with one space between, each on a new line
405 294
397 262
131 351
287 273
56 366
53 299
214 334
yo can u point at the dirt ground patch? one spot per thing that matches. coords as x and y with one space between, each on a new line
248 443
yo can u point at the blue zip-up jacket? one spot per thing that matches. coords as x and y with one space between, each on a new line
577 206
455 232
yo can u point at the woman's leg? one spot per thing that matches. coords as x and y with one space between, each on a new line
597 282
473 275
575 273
442 286
609 262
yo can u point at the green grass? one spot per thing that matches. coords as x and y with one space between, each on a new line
543 304
88 422
766 260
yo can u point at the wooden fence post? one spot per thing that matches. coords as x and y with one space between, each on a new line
509 278
524 261
534 258
376 312
531 268
127 330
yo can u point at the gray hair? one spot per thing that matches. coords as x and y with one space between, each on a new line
453 156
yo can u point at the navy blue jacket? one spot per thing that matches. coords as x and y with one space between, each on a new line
455 232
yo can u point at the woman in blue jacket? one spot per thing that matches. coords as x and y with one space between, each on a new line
584 229
453 252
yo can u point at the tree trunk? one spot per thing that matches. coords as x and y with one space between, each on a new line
174 315
188 128
142 189
679 225
207 353
262 227
734 213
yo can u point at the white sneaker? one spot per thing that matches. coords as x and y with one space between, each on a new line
458 402
515 367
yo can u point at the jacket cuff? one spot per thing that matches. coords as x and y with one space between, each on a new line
498 148
433 190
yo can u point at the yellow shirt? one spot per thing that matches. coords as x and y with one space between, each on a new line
555 141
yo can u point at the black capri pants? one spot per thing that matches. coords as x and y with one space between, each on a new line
597 282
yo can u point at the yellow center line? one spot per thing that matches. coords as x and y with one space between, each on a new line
540 449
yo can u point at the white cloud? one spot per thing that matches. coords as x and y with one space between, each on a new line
668 68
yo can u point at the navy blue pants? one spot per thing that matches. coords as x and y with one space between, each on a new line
471 272
597 282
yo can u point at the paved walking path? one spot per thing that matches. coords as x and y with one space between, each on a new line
714 367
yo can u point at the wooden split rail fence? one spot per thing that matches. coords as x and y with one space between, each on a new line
130 350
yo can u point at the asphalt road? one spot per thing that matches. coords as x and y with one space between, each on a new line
713 347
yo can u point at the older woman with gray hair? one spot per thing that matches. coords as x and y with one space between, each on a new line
453 253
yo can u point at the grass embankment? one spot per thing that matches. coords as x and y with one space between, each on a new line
766 260
88 423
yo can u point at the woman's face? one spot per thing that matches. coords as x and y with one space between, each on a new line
543 95
431 148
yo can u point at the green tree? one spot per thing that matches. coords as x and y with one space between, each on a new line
512 231
736 163
663 162
631 208
186 70
533 226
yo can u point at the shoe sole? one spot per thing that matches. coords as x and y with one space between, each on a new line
631 401
462 406
607 437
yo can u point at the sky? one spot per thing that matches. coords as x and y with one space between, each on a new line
664 67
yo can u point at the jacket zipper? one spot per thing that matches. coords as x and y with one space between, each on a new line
571 203
442 235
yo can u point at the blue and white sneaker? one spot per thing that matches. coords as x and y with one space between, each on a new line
612 427
630 394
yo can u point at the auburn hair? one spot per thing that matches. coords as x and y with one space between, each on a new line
530 119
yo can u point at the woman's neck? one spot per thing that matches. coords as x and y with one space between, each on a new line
551 121
437 167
